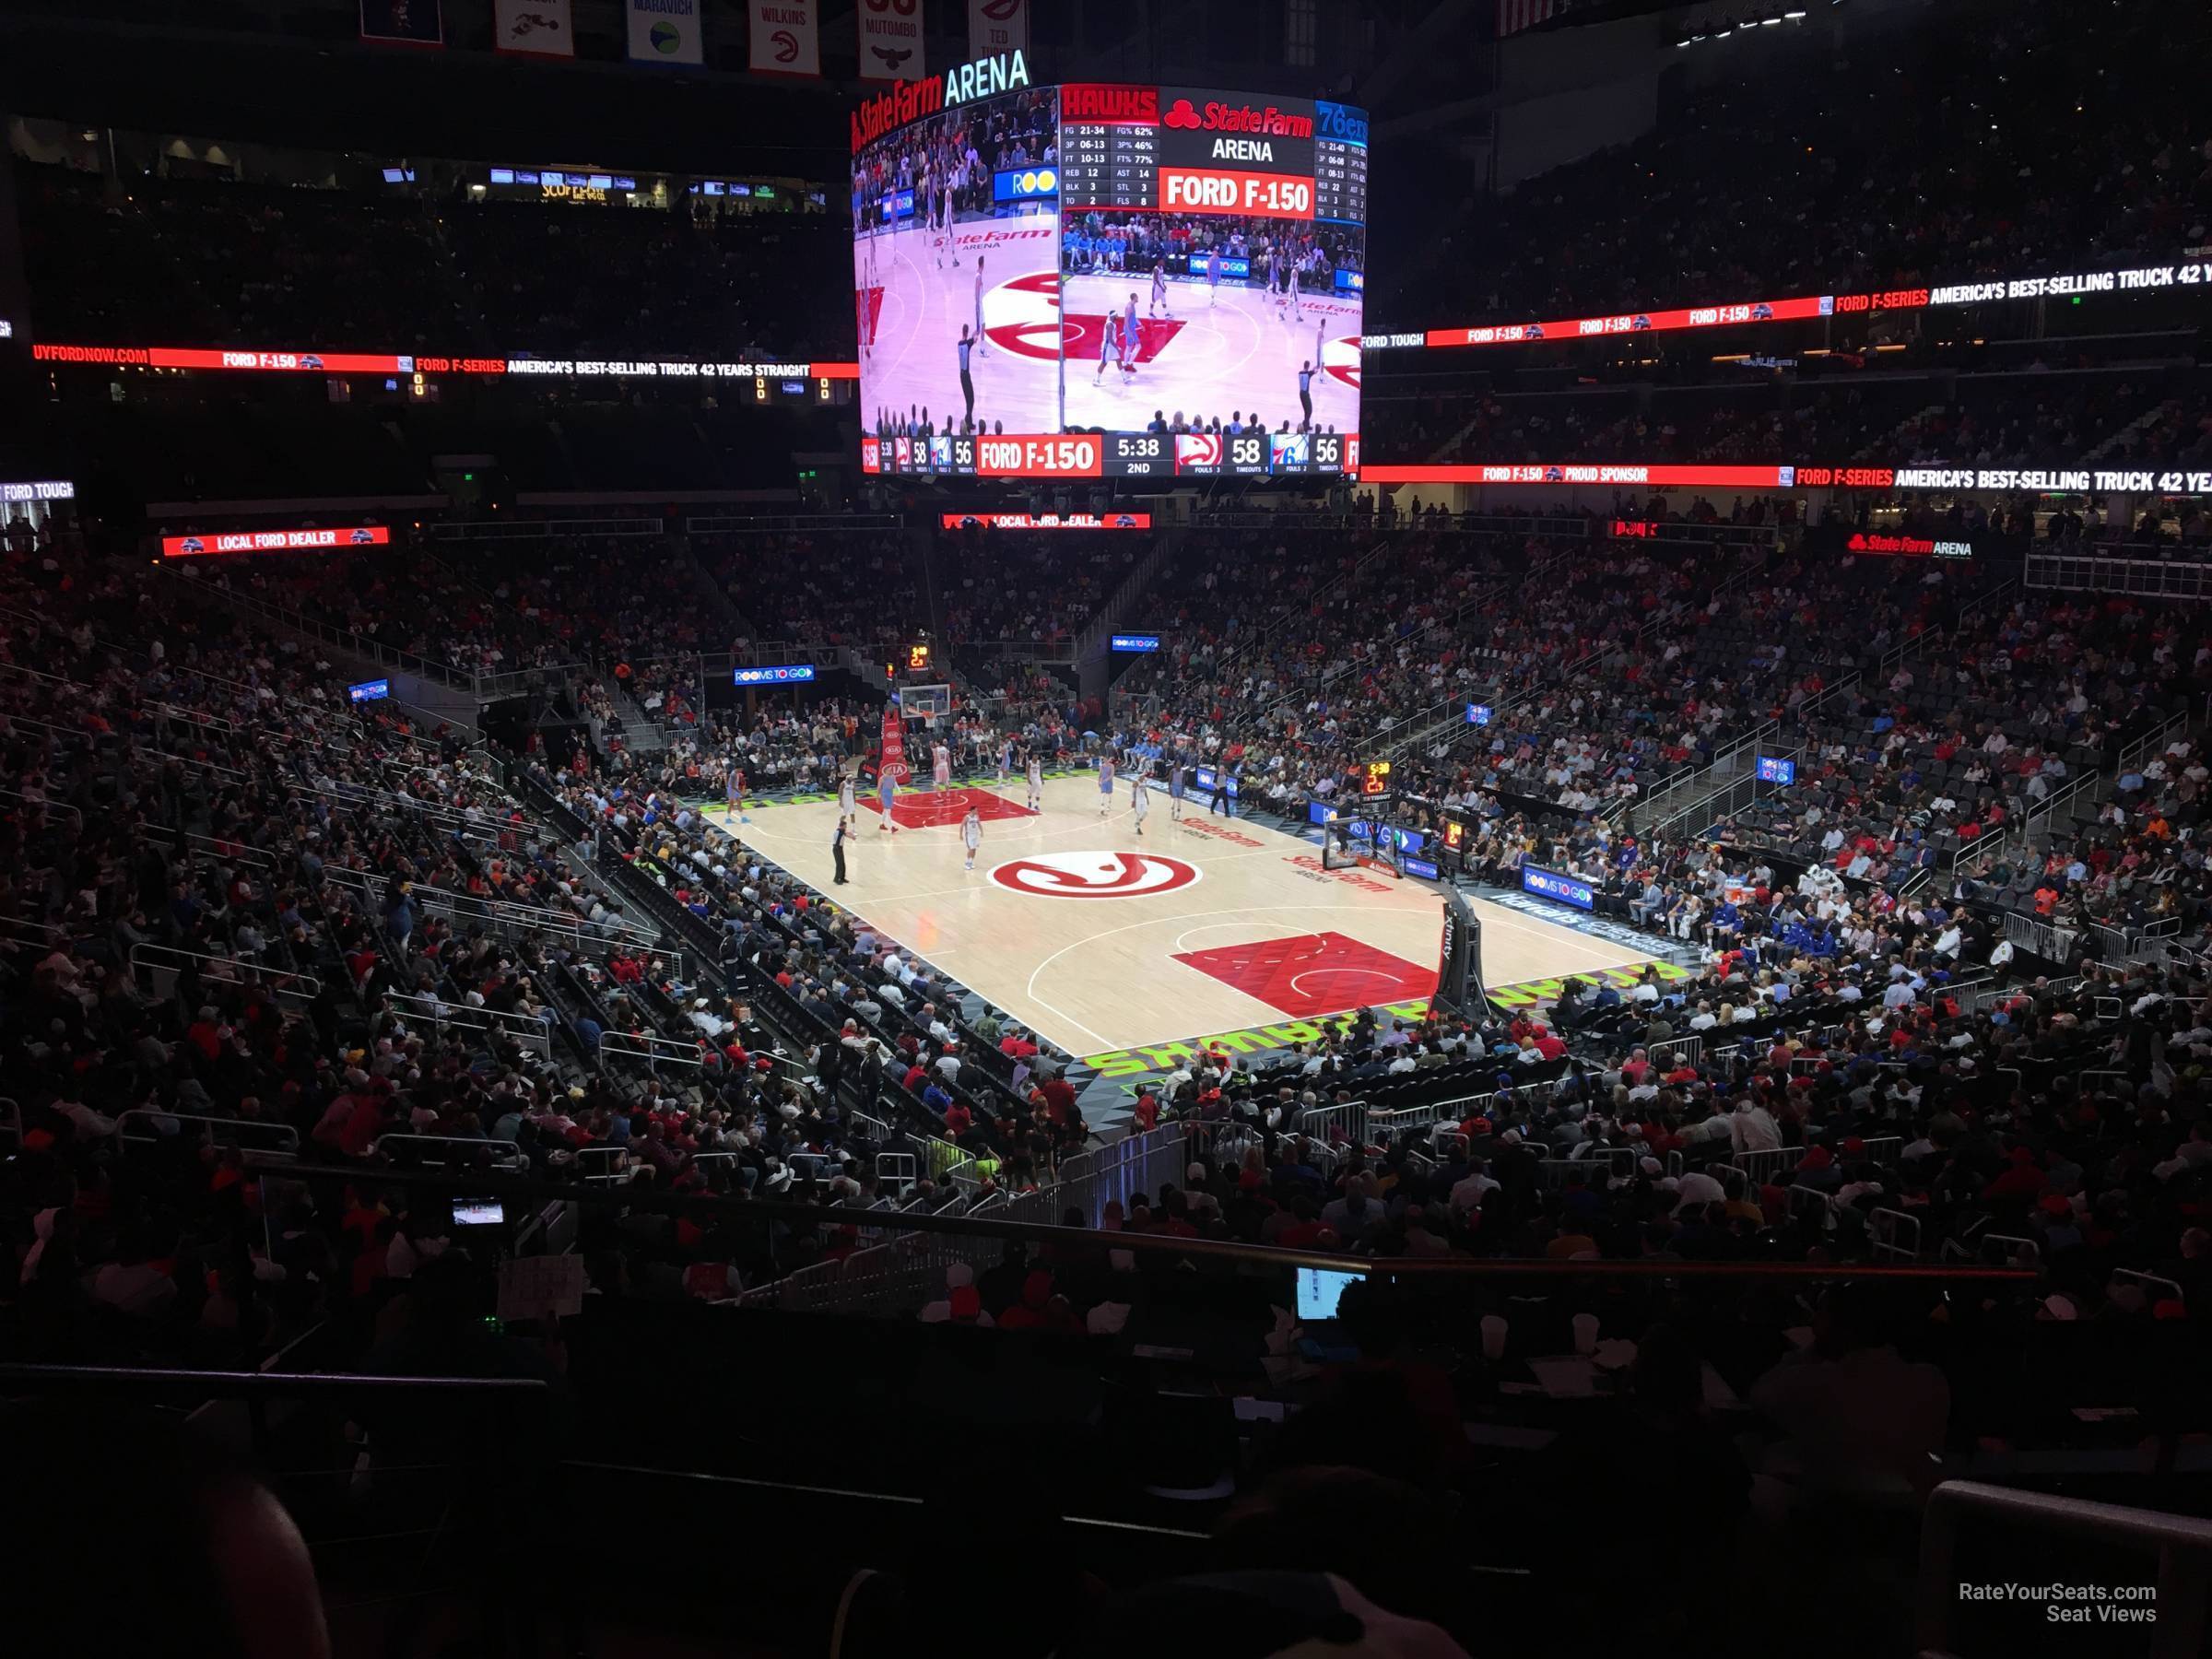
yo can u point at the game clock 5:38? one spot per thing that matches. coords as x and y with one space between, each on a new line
1139 455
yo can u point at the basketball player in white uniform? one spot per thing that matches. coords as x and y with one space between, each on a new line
1296 314
941 768
1140 798
1159 291
847 804
971 834
1036 777
1107 332
981 345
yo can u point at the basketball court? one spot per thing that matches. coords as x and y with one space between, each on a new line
1101 939
1223 350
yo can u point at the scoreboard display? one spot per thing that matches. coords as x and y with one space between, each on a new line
1090 280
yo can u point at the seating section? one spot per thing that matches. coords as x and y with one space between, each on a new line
1897 159
180 262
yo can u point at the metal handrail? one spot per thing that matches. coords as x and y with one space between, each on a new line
654 1051
49 805
437 1012
280 981
287 1138
2182 1546
514 1154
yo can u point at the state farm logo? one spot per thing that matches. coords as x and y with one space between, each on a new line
1094 874
1238 118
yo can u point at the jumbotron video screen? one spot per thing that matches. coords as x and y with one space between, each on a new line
1118 281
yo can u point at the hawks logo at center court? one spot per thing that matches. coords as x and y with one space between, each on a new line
1094 874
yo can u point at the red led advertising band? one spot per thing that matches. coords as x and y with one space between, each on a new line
394 363
274 541
1045 520
1579 472
1628 322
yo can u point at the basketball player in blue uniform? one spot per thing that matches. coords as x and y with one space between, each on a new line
1129 338
1105 784
887 790
1175 792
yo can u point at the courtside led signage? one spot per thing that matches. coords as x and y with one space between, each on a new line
1561 888
273 541
789 674
1135 642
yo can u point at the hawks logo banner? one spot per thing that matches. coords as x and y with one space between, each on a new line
996 27
533 28
786 37
891 40
893 765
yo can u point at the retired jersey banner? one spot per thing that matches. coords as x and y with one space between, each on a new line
997 27
666 31
891 40
402 22
786 37
533 28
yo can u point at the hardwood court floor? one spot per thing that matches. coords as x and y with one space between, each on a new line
1103 939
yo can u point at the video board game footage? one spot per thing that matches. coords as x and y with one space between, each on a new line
1087 281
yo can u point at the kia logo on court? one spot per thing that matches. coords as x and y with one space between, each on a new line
1094 874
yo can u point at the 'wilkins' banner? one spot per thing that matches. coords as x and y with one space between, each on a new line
665 31
786 37
997 27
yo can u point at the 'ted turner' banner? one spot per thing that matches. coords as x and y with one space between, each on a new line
891 40
997 27
274 541
786 37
